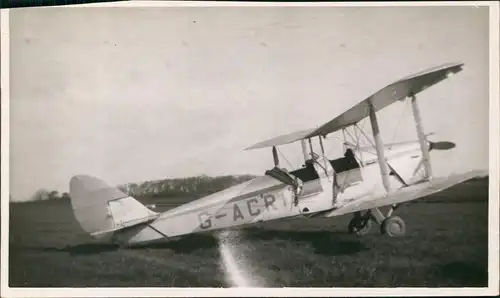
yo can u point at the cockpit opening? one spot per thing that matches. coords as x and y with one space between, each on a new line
346 163
306 173
343 164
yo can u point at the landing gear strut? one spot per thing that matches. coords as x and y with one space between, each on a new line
392 226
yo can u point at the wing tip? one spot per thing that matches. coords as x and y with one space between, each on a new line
283 139
454 67
255 146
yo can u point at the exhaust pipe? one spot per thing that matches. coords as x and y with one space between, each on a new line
444 145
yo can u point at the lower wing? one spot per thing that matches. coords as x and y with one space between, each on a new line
402 195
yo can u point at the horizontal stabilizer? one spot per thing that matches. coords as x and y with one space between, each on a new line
101 209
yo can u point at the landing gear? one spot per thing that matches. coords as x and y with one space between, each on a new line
393 226
360 224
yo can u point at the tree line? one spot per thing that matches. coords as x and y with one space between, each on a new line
43 194
192 187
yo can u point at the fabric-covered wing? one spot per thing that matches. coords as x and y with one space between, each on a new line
403 195
283 139
392 93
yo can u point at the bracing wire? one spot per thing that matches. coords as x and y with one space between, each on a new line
332 148
367 138
404 108
360 128
352 138
286 159
362 131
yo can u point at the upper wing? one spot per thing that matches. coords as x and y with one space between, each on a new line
283 139
403 195
396 91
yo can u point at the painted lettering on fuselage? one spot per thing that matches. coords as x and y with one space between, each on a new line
204 219
239 211
249 206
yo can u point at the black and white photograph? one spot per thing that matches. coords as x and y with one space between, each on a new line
236 145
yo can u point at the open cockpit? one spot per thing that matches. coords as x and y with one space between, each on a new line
346 171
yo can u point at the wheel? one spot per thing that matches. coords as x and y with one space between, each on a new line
393 226
360 226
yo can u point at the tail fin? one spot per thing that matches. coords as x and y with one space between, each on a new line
101 209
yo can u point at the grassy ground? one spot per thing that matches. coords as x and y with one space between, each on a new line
446 245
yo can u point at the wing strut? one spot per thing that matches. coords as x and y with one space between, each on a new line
275 157
379 147
304 149
311 147
421 138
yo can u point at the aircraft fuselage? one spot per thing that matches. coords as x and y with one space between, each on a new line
265 198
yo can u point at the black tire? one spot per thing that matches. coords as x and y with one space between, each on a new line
393 226
360 226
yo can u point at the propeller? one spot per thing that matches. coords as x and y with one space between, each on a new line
444 145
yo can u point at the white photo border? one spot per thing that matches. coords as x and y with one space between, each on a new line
494 133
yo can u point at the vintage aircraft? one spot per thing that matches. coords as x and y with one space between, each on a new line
359 183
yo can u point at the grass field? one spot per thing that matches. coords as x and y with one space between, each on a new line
446 245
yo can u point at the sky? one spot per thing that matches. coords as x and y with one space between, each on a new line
134 94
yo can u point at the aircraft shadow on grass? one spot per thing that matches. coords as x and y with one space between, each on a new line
323 242
81 249
185 245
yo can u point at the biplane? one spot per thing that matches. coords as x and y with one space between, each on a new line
364 181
